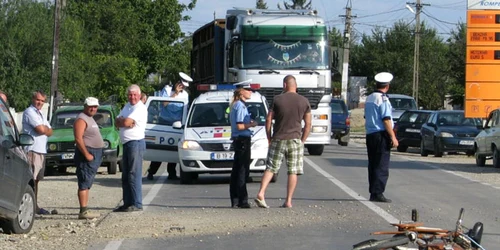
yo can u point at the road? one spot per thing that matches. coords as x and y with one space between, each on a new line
330 210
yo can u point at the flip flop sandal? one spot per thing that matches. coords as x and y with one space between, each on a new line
261 203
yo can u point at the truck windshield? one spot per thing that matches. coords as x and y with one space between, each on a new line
217 114
67 118
275 54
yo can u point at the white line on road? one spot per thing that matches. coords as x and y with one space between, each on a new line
381 212
115 245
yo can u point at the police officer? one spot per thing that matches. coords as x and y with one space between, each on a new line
241 136
380 137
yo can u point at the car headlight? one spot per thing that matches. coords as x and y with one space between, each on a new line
445 134
319 129
260 144
106 144
52 146
191 145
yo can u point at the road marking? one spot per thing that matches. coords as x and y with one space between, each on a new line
381 212
115 244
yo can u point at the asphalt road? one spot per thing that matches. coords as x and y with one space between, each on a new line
330 210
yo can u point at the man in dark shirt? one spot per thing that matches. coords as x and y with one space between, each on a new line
287 141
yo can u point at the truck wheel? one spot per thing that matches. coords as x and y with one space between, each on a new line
315 149
23 222
112 167
186 178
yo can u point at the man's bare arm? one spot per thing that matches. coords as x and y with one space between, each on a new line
78 129
269 123
122 122
307 126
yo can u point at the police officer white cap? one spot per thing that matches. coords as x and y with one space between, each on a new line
383 78
185 79
244 84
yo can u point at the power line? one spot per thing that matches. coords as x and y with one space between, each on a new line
382 13
432 17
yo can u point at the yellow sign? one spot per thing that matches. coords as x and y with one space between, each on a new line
483 55
482 90
479 108
476 36
482 73
483 18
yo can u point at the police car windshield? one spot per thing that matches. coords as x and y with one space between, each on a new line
217 114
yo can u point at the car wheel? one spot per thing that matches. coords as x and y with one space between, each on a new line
185 177
113 166
23 222
496 157
315 149
344 140
423 152
402 148
120 163
437 149
480 160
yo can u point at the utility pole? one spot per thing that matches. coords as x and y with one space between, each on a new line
347 41
55 59
416 53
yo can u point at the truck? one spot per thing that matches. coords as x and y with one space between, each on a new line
264 46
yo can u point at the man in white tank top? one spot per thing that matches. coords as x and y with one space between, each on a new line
88 153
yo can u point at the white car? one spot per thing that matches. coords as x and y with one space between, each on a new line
206 146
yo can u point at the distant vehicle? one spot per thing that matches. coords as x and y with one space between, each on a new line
408 128
17 197
401 103
61 145
449 131
487 142
341 122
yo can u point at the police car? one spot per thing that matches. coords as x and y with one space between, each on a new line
202 138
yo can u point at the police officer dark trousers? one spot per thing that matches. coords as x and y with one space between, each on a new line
240 171
378 146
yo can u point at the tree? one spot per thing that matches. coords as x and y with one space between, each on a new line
456 56
261 5
297 5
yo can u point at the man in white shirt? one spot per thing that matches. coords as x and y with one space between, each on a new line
132 124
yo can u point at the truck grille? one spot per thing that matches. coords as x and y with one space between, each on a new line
313 95
215 147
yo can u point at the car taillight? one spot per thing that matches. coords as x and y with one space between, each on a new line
348 121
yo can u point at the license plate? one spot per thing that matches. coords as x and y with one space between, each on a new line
222 156
412 130
68 156
468 143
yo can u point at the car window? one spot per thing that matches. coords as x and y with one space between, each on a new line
337 108
7 124
103 118
165 113
402 103
217 114
457 119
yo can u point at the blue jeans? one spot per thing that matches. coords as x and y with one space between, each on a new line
133 152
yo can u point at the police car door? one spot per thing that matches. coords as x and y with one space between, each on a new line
164 130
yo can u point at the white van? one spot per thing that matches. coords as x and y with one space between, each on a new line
201 140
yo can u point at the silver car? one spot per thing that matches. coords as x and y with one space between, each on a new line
487 142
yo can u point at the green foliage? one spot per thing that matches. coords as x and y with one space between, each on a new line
260 4
456 56
297 5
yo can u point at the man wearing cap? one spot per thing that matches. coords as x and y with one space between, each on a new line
36 125
88 153
241 135
287 139
380 137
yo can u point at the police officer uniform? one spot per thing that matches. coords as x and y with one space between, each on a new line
242 145
378 141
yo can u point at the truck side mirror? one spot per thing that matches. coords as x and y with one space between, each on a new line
231 22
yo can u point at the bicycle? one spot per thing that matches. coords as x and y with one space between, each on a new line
414 236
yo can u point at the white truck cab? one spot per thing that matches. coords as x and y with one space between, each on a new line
206 146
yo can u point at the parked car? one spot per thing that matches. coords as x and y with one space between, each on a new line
61 145
401 103
408 128
341 122
487 142
449 131
17 197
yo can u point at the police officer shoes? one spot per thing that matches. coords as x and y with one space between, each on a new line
380 198
88 215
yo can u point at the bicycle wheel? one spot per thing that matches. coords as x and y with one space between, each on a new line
395 241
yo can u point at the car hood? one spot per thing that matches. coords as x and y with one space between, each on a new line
62 135
460 130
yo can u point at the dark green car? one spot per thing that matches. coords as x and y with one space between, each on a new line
61 145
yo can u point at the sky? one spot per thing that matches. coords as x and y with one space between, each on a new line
443 15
